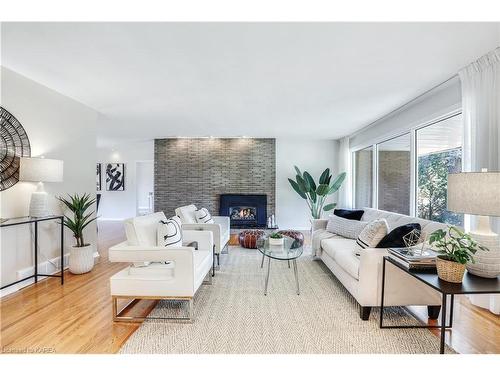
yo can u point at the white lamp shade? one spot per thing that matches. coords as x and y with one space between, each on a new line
476 193
41 170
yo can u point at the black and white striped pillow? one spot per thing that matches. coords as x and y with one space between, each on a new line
203 216
170 232
371 235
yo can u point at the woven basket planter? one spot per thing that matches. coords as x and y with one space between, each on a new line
447 270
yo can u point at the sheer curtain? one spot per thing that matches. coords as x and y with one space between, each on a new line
345 200
481 112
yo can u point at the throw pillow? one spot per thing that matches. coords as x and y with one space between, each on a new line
344 227
170 232
395 237
373 233
203 216
349 214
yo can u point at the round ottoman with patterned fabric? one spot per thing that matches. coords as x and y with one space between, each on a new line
296 235
248 238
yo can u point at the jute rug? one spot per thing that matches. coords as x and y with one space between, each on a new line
233 316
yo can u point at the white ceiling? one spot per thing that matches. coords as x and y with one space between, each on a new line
320 80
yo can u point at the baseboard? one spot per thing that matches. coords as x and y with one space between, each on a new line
48 268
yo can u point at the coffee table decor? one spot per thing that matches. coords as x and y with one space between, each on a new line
289 251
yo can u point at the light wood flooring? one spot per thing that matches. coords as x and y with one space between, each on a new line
76 317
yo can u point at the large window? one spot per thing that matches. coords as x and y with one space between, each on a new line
410 172
439 152
363 167
394 162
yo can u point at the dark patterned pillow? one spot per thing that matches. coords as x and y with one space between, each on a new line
349 214
395 237
170 232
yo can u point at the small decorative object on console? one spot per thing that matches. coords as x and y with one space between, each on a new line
276 239
456 249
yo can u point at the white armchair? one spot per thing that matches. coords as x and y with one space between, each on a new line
160 272
220 228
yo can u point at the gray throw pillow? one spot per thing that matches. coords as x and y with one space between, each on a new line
345 227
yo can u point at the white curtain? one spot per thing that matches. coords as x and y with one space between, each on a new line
481 113
345 200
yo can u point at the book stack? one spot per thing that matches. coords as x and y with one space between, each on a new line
414 259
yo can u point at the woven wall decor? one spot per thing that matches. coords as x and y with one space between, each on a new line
14 144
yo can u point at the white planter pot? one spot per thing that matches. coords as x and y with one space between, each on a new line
81 259
276 241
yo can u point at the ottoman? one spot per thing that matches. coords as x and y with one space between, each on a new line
296 235
248 238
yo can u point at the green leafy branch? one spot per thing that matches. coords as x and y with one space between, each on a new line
455 245
78 205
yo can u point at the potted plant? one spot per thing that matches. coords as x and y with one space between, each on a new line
81 256
456 248
276 239
314 194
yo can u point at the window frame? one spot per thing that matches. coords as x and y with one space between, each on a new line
413 160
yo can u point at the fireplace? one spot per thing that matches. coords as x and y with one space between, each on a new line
244 210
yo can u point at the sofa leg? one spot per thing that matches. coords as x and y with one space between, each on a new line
213 261
433 312
364 312
218 260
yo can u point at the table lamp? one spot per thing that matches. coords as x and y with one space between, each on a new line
478 193
40 170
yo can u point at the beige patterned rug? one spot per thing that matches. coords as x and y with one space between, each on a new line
233 316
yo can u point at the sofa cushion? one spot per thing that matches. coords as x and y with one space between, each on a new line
336 243
142 230
371 235
187 214
348 261
349 214
395 237
344 227
170 232
203 216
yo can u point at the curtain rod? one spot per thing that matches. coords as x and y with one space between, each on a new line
401 107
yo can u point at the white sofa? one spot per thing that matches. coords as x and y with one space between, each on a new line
159 272
220 228
362 275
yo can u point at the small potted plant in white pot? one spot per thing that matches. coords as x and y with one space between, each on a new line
456 248
81 256
276 239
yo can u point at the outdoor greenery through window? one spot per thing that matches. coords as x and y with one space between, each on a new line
439 152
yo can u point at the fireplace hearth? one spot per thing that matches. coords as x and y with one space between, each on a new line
244 210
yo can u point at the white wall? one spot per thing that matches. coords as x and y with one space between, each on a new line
59 128
312 156
119 205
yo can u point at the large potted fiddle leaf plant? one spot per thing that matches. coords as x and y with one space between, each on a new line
316 194
81 256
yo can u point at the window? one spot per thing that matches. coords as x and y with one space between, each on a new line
439 152
363 167
394 160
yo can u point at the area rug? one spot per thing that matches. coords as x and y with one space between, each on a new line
234 316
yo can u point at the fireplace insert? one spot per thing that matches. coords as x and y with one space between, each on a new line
244 210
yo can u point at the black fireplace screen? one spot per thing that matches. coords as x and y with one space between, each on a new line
244 210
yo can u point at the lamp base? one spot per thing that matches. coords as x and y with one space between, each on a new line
38 204
486 263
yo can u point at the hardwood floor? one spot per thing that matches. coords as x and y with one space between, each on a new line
76 318
73 318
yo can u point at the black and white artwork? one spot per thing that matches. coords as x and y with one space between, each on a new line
115 176
98 177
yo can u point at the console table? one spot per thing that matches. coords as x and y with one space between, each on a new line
471 284
35 221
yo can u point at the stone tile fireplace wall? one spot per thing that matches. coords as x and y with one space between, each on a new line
198 170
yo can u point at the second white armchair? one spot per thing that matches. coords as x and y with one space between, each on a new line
220 228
